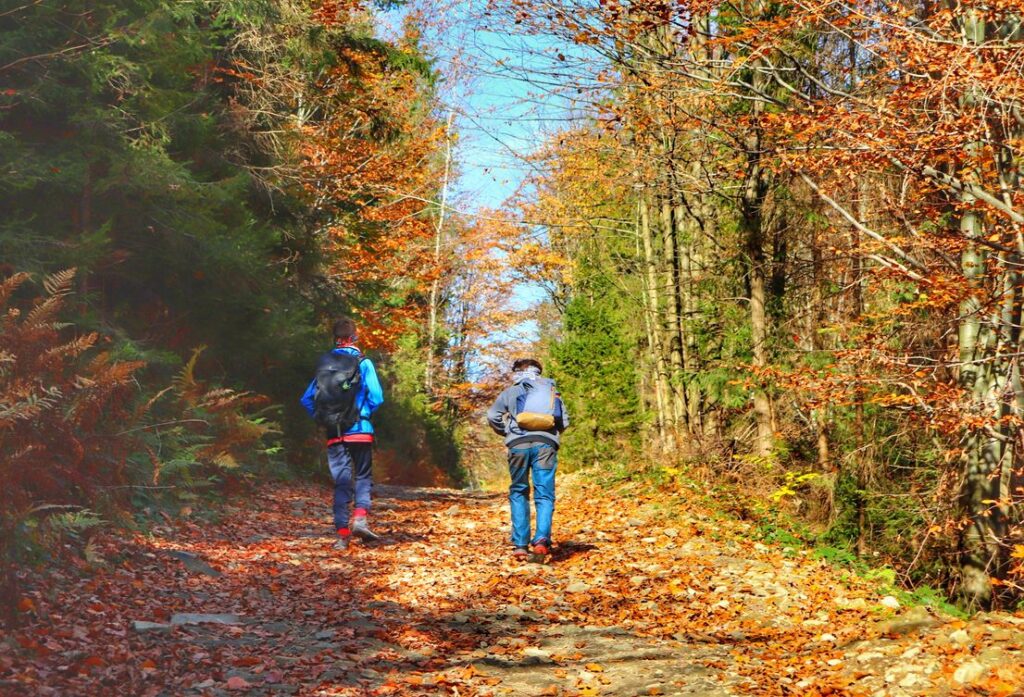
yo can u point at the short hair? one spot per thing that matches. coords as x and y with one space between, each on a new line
344 328
524 363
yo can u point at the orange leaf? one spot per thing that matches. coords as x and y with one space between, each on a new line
471 671
595 667
237 683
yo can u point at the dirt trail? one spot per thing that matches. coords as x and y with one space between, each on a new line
634 602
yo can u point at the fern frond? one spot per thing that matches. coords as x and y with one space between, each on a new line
145 408
59 283
6 361
29 408
72 349
110 373
225 460
73 522
39 316
11 284
219 399
185 384
157 465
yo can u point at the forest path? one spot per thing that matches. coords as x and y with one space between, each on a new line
642 597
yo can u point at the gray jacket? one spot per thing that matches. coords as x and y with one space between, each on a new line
500 415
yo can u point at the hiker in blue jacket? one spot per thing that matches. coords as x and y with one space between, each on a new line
531 417
342 398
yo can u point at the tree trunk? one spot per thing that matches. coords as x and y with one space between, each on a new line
988 374
820 416
863 456
752 221
686 238
653 313
668 249
428 380
983 457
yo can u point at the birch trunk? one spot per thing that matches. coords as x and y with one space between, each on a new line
428 380
653 303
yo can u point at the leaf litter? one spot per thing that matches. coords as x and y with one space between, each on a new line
634 602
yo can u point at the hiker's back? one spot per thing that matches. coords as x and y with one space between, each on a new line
338 383
538 406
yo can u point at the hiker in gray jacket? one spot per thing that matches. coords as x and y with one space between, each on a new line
531 416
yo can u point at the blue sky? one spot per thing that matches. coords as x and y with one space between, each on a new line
500 117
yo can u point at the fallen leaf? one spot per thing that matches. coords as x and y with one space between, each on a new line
237 683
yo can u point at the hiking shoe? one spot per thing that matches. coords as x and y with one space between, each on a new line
520 553
342 543
540 551
361 529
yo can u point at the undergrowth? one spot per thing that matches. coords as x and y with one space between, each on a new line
84 444
679 488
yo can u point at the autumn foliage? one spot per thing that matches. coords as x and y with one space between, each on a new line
63 408
817 207
369 166
80 441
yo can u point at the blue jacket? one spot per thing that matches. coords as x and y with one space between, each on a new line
370 396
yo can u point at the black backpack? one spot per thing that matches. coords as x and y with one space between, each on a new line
338 383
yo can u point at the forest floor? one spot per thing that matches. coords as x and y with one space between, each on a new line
638 599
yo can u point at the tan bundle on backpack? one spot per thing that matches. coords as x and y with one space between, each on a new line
538 408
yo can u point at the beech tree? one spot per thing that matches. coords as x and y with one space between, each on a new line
847 177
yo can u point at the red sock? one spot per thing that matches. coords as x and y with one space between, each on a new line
344 532
359 513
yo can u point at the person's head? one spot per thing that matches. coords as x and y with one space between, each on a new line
524 363
344 331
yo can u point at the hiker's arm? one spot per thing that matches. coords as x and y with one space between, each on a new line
496 414
565 416
374 392
308 396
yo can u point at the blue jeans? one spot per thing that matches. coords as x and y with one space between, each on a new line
351 466
541 461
